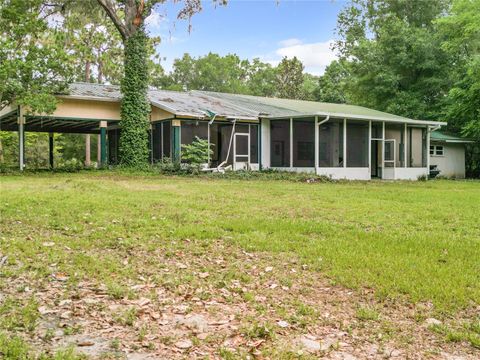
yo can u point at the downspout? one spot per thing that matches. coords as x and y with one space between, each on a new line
210 122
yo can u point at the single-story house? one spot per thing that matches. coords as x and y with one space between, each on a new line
248 132
447 154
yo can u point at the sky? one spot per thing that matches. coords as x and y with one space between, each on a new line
265 29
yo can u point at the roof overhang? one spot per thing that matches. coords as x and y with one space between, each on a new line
361 117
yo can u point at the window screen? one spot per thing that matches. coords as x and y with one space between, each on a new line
166 138
303 143
191 129
357 144
280 143
113 141
254 144
157 141
331 144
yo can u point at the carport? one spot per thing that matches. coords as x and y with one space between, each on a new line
16 120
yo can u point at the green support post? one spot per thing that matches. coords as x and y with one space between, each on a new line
103 143
50 149
176 141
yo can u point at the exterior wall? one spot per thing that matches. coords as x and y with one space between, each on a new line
88 109
159 114
400 173
452 163
265 131
345 173
7 109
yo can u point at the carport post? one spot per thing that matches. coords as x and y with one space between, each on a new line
21 138
50 149
103 143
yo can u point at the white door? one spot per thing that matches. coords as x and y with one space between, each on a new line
389 158
241 151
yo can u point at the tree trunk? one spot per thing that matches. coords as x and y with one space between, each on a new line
100 72
135 106
87 71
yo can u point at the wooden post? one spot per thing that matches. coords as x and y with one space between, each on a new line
87 150
50 149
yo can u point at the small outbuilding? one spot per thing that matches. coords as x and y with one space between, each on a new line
447 154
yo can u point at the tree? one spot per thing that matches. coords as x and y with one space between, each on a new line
332 84
395 58
135 105
33 62
289 78
460 32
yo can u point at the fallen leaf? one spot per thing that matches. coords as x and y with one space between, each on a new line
48 244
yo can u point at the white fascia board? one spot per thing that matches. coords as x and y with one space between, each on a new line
361 117
81 97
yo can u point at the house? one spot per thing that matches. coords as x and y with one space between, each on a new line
447 154
248 132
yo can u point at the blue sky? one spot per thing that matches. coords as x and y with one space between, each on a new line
266 29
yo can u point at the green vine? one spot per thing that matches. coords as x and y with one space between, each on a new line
135 107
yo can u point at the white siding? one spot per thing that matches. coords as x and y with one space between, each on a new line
452 163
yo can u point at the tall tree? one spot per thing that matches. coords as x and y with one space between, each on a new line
289 78
396 61
332 84
33 62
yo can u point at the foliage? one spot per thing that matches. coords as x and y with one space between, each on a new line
197 153
33 62
332 84
395 59
289 78
135 106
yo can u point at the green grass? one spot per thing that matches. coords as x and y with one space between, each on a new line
418 241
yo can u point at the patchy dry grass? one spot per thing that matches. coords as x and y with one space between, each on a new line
137 254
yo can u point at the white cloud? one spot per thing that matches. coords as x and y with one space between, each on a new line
155 19
290 42
315 56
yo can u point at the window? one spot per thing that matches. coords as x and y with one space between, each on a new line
280 143
303 143
436 150
331 144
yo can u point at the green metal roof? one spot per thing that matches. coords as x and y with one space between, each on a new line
442 136
233 106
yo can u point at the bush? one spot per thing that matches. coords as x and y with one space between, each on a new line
196 154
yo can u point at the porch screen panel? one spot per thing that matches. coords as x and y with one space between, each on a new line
113 141
167 128
357 144
415 146
304 143
280 143
191 129
331 144
157 142
254 144
225 133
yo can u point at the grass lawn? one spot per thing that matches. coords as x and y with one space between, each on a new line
406 242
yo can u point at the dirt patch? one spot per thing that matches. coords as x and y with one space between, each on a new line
222 302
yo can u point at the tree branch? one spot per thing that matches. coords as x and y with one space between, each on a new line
110 10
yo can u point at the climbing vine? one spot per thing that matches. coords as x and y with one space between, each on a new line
135 107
